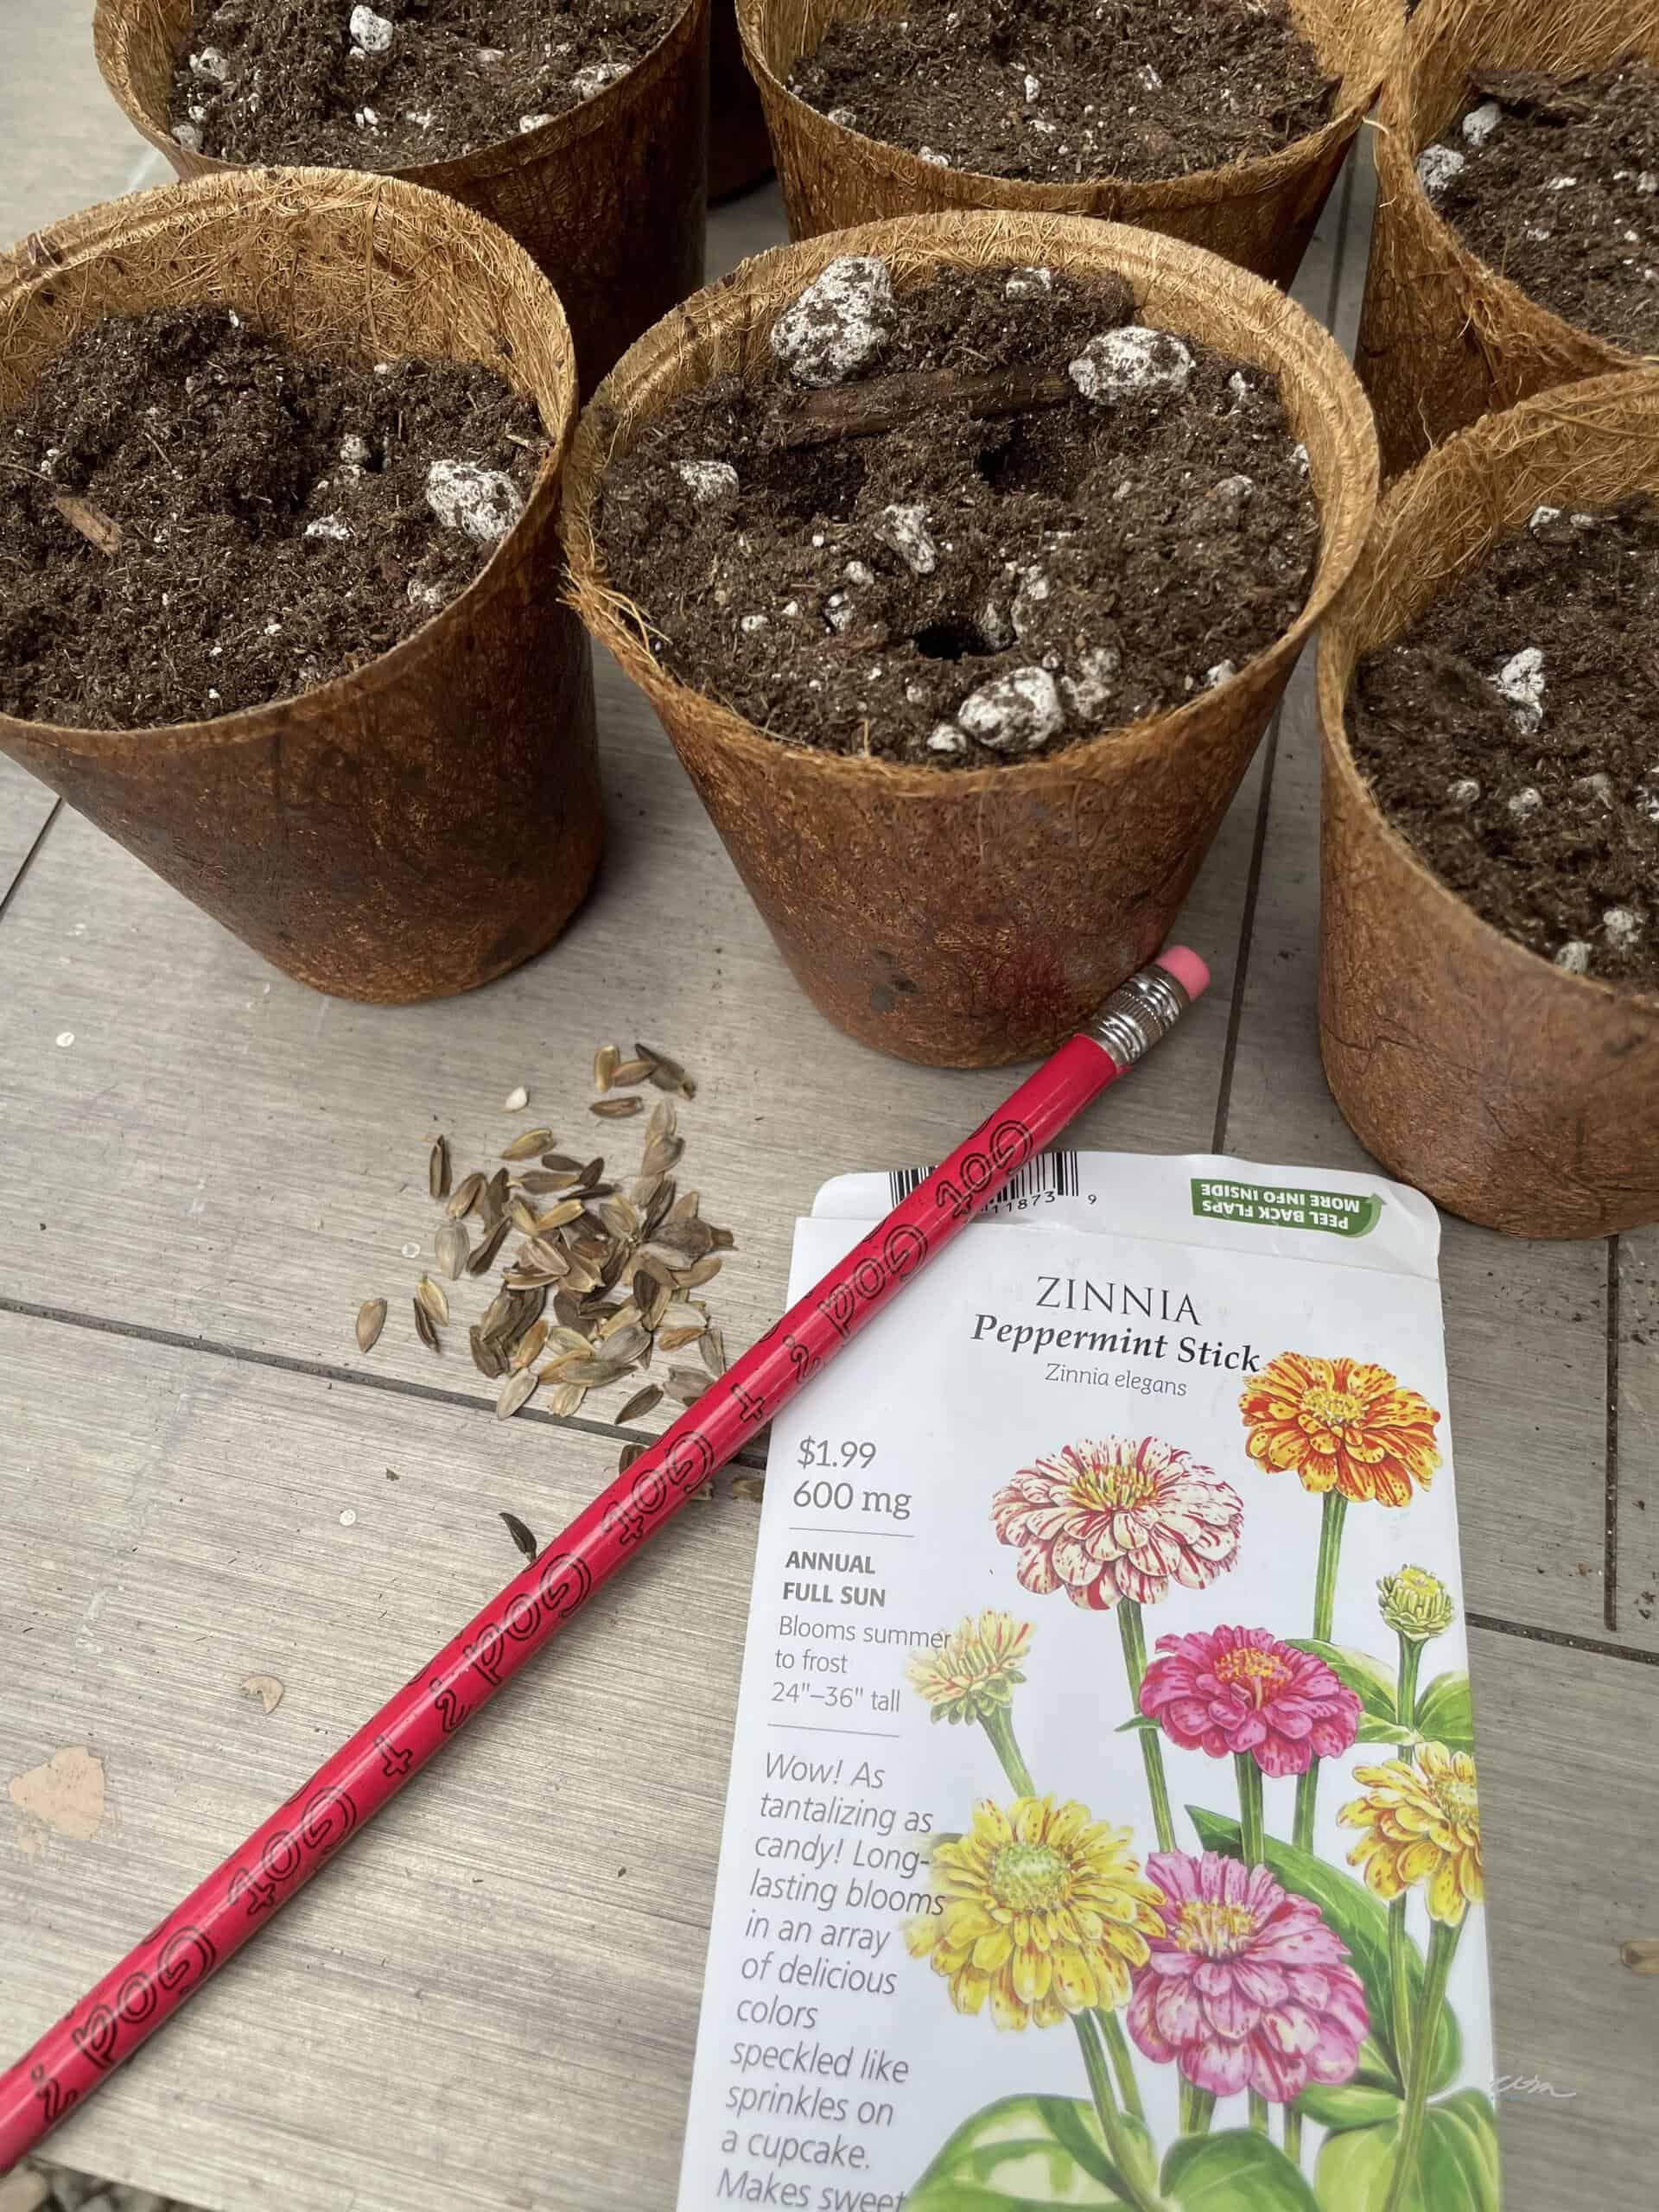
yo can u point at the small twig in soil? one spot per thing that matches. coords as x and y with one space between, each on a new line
864 410
95 526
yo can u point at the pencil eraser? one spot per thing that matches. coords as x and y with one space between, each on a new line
1185 965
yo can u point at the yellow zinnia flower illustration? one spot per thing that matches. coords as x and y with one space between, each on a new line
1421 1819
1341 1424
976 1671
1043 1909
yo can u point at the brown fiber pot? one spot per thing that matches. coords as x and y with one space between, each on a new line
739 152
431 819
969 918
609 197
1445 339
1518 1096
1259 214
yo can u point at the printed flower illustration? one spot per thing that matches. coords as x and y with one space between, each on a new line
975 1672
1247 1989
1421 1823
1044 1911
1122 1518
1343 1425
1226 1690
1415 1604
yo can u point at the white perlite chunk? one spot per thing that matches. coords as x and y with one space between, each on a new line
430 596
482 502
1623 925
1239 384
1520 681
1648 183
946 737
1480 123
708 481
1013 713
1033 89
1027 283
210 62
1035 588
1540 517
1222 672
372 32
1436 167
355 449
588 83
840 324
1526 802
1133 358
845 117
529 123
904 529
750 623
189 137
856 572
934 159
1463 792
1574 956
1597 786
1561 184
333 526
1089 690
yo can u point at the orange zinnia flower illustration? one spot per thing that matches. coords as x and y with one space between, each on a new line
1343 1425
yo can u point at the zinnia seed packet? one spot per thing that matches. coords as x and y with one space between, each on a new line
1103 1826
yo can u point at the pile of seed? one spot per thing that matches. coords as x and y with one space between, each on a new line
606 1270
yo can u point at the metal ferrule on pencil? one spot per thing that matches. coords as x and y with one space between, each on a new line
1138 1013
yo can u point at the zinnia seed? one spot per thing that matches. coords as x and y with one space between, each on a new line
423 1328
617 1110
516 1389
466 1195
452 1247
437 1168
639 1404
605 1065
528 1144
371 1319
428 1295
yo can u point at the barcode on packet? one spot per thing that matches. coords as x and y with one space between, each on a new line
1051 1175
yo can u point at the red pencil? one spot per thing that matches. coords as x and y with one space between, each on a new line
108 2024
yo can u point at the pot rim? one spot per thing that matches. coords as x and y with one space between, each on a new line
1345 512
1340 650
113 26
1255 178
82 240
1401 136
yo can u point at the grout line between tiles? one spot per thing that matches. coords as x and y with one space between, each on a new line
28 860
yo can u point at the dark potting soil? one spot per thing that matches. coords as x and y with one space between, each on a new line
1043 89
961 589
398 83
1554 184
193 519
1512 736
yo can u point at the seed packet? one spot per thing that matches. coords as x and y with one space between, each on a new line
1102 1828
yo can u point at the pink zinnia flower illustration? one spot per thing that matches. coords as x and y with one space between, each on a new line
1247 1989
1122 1518
1240 1689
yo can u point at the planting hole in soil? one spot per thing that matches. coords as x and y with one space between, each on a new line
1130 89
398 83
195 520
1555 183
1510 735
969 523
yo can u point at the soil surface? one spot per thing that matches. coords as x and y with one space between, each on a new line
400 82
193 519
1556 185
1042 89
1513 736
954 589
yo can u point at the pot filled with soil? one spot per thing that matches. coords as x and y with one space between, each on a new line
1223 122
279 468
1516 244
580 126
739 152
964 559
1489 1002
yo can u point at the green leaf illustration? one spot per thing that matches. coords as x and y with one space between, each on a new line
1023 2152
1457 2164
1383 1732
1235 2171
1355 2104
1362 1920
1444 1715
1372 1683
1143 1723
